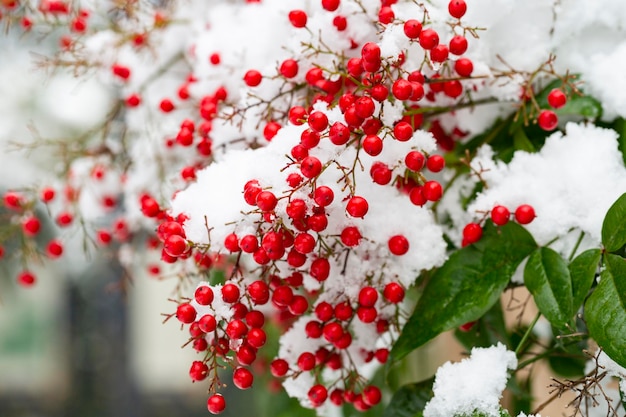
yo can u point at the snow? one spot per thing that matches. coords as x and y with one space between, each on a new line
474 384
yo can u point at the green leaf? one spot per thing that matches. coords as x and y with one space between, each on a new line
489 330
620 127
410 399
605 310
466 286
585 106
521 141
547 278
614 225
582 270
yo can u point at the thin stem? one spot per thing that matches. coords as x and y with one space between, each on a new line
580 239
527 334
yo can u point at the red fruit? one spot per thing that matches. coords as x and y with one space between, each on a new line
343 311
393 292
500 215
428 38
372 145
403 131
298 18
266 201
204 295
26 278
306 361
364 107
370 52
186 313
464 67
320 269
439 53
270 130
216 404
230 293
415 160
310 167
402 89
366 314
340 22
299 305
252 78
198 371
432 190
279 367
121 71
472 233
166 105
416 195
13 200
371 395
317 395
297 115
339 133
318 121
207 323
350 236
557 98
54 249
457 8
467 326
524 214
386 15
435 163
398 245
236 329
547 120
357 207
259 292
368 296
313 329
304 243
289 68
324 311
323 196
242 378
458 45
31 226
380 173
333 331
47 194
330 5
175 245
412 28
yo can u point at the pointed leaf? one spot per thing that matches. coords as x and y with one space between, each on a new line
614 225
605 310
547 278
466 286
582 270
410 399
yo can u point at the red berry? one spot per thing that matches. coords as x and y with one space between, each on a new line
289 68
370 52
297 115
380 173
330 5
186 313
31 226
270 130
398 245
216 404
432 190
435 163
412 28
298 18
339 134
500 215
357 207
340 22
242 378
439 53
313 329
47 194
458 45
323 196
402 89
472 233
368 296
279 367
318 121
393 292
557 98
428 38
457 8
236 329
204 295
266 201
320 269
372 145
198 371
364 107
415 160
324 311
311 167
547 120
166 105
350 236
403 131
252 78
386 15
464 67
207 323
416 195
317 395
259 292
366 314
230 293
26 278
306 361
524 214
54 249
371 395
175 245
333 331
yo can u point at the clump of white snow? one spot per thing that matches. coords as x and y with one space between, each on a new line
474 384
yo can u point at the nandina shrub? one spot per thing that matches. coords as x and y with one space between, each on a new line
308 164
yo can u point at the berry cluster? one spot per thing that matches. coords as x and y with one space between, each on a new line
500 215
